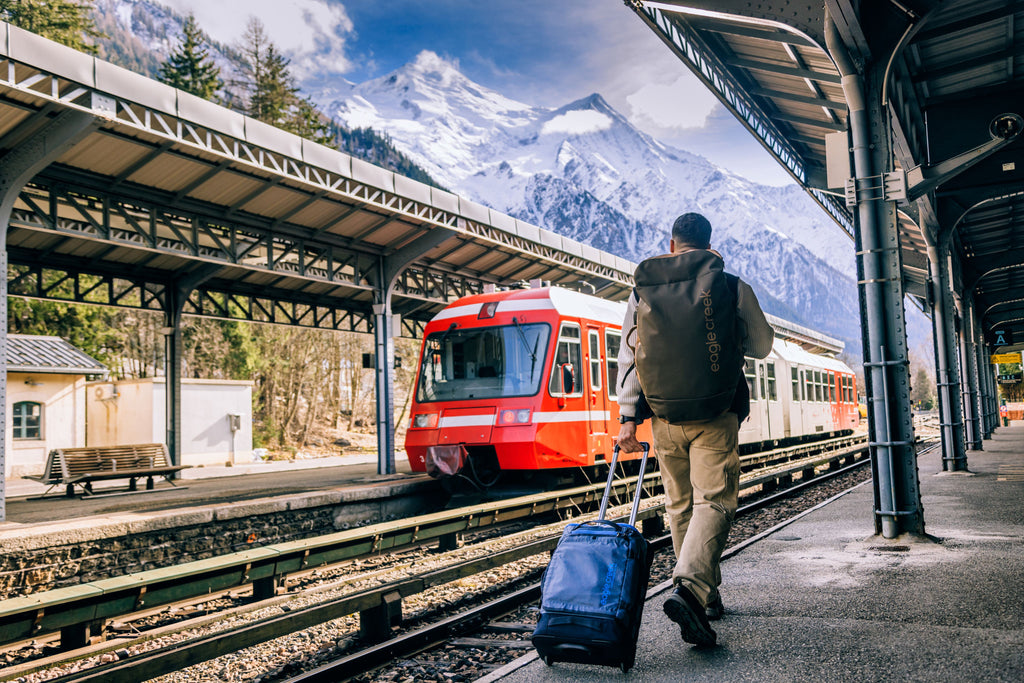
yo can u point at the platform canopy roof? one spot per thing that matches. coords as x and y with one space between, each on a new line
952 68
164 188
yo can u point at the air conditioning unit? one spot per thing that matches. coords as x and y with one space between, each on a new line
105 392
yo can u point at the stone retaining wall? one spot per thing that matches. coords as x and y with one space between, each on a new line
43 557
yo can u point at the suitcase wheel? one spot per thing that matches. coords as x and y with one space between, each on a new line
625 667
547 660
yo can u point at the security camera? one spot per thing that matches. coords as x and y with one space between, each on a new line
1006 126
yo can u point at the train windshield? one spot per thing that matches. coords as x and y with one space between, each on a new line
483 362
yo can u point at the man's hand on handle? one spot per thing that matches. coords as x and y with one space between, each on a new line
627 438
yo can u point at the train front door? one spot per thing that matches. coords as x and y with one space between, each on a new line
597 401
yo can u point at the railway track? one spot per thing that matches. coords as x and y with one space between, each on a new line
339 600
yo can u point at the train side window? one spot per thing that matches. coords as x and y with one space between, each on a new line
773 394
809 385
831 379
760 379
818 393
612 340
569 351
748 373
594 347
796 382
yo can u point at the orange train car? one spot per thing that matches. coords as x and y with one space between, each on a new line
524 380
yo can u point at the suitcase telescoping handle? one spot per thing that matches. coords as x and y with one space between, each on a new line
639 483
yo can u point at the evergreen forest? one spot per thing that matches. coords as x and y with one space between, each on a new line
311 393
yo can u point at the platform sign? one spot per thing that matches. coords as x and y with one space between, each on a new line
1013 378
1000 337
1001 358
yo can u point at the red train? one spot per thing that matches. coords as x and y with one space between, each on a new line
524 380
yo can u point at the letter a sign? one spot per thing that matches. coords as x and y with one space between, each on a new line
1000 337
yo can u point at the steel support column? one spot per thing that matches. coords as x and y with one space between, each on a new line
972 404
946 369
388 269
177 294
984 384
886 367
993 392
18 167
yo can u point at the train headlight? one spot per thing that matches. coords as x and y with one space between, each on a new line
514 417
424 420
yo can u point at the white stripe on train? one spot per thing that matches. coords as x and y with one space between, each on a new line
485 420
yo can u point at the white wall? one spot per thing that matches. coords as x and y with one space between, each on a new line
137 415
63 423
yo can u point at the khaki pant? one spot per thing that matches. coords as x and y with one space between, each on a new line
700 468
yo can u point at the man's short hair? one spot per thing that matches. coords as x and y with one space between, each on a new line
692 229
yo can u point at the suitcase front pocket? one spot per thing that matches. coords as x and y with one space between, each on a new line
586 575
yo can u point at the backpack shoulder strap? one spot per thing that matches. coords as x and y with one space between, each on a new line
734 285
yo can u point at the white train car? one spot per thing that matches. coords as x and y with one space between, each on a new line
796 395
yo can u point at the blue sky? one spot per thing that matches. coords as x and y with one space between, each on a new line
541 52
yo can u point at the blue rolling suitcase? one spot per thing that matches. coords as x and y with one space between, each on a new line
592 594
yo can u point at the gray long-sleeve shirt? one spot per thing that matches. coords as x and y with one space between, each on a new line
756 344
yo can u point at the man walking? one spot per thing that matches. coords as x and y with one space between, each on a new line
689 325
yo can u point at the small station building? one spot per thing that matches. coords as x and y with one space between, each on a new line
46 399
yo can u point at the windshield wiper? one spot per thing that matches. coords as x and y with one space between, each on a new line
526 345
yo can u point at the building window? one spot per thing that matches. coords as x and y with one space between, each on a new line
28 420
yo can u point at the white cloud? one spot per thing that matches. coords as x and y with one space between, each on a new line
311 33
577 123
684 103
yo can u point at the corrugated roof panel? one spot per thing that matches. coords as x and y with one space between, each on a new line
319 214
274 202
387 234
104 155
11 117
227 189
171 173
34 353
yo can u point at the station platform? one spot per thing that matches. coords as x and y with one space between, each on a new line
200 495
823 599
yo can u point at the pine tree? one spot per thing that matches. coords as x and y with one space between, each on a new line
63 21
190 67
307 122
273 96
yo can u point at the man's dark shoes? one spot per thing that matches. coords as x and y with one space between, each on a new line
715 609
683 607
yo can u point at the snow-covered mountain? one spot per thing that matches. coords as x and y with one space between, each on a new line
585 171
581 170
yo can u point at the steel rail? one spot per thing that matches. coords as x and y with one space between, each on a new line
458 625
369 604
76 607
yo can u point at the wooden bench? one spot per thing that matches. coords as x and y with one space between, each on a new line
82 466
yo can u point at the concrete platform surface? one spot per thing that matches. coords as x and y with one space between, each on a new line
202 495
822 599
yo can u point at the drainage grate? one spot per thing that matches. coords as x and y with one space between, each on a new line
890 548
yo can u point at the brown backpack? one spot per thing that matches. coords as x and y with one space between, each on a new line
689 353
